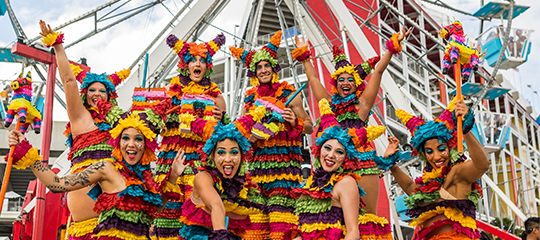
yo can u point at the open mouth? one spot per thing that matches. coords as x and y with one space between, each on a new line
228 169
131 154
329 163
438 164
346 90
197 72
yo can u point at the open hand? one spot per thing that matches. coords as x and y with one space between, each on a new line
218 114
404 33
392 148
15 137
289 116
45 28
179 164
300 42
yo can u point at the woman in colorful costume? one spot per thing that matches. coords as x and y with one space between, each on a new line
222 187
92 114
351 100
276 166
330 206
191 95
443 201
125 193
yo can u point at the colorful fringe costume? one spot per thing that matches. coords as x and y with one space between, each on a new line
426 202
276 166
20 105
189 101
145 98
235 192
318 219
92 147
128 214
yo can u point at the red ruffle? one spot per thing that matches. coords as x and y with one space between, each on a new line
107 201
278 158
88 139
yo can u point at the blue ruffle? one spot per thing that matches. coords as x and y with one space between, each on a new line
194 232
17 96
139 98
429 130
249 98
388 162
69 140
94 192
101 78
175 101
337 100
468 121
103 126
278 150
342 137
139 191
222 132
280 184
172 154
174 205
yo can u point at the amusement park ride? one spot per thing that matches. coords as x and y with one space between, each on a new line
413 82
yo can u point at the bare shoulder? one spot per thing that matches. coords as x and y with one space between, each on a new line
346 184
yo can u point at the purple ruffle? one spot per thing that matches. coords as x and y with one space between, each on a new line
171 40
275 171
334 215
115 222
220 39
165 232
278 208
340 64
231 186
352 123
277 68
99 154
321 178
221 234
465 205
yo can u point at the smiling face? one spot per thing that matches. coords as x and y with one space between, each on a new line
96 91
346 84
197 68
264 72
332 155
437 153
132 145
227 157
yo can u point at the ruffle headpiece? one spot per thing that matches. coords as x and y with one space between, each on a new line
142 123
359 72
222 132
187 52
110 81
252 58
352 140
442 128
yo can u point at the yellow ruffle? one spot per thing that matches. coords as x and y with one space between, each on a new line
435 173
283 176
31 111
176 132
373 132
169 187
335 178
403 116
240 210
82 228
113 232
213 46
311 227
257 113
259 218
464 51
387 236
261 133
285 217
324 107
453 214
50 39
371 218
80 166
28 159
133 121
186 179
178 46
350 69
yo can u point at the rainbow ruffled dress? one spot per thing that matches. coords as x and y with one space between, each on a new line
89 148
166 224
128 214
426 202
276 165
235 193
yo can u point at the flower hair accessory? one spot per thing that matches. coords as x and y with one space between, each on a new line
53 38
252 58
359 72
187 52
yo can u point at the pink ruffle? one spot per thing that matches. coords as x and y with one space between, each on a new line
328 234
423 232
373 228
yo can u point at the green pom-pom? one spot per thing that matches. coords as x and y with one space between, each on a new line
474 196
347 115
308 204
340 57
262 55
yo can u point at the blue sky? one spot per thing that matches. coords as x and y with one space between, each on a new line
116 48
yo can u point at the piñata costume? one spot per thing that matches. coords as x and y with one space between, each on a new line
276 166
20 105
128 214
426 201
457 50
318 219
235 192
189 101
91 147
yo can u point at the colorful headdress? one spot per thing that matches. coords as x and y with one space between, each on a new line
354 140
110 81
222 132
187 52
359 72
144 126
252 58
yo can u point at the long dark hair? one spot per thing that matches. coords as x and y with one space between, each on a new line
530 224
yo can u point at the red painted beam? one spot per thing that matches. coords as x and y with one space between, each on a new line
504 235
32 53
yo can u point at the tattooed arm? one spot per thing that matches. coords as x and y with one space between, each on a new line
70 182
90 175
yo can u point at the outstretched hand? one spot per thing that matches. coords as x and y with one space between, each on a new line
45 28
301 42
179 163
15 137
392 148
404 33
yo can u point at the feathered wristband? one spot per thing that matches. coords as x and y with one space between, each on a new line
301 54
24 155
393 45
53 38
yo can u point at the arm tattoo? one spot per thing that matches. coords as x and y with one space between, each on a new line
81 179
40 167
